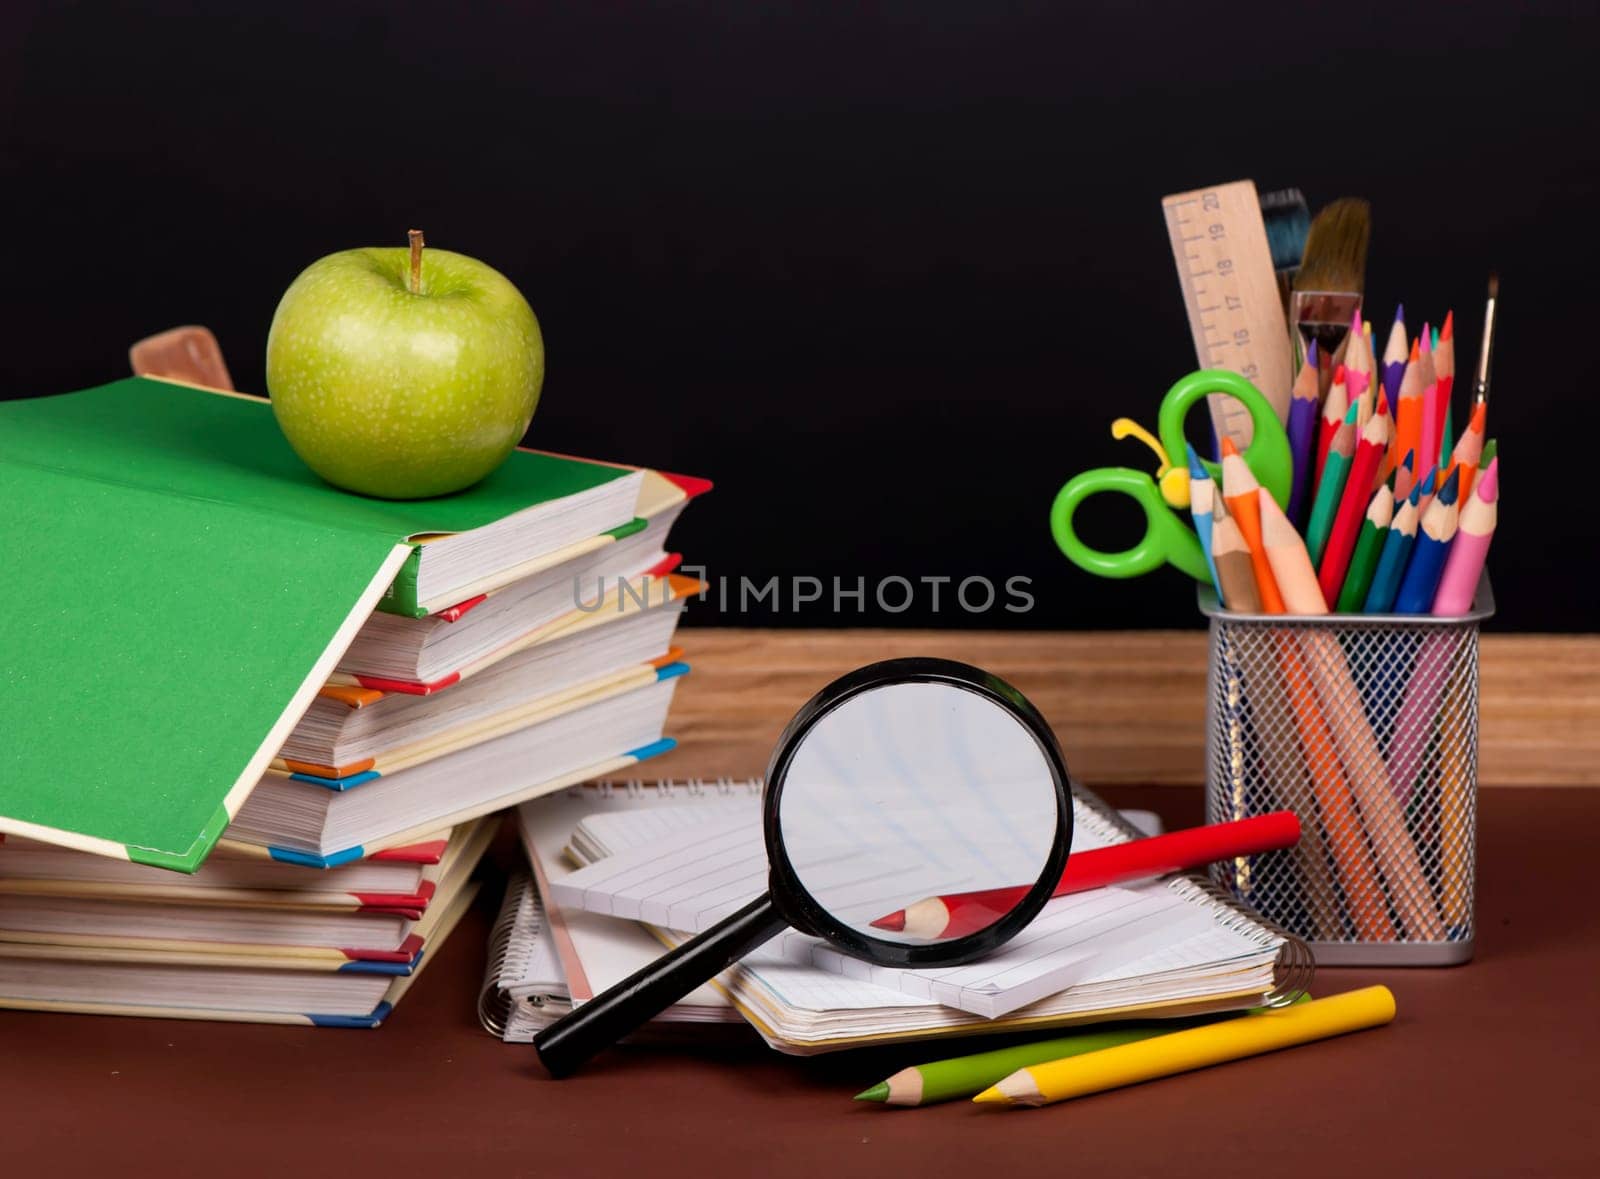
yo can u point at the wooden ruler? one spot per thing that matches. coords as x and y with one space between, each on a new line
1231 291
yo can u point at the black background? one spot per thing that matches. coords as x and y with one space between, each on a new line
884 272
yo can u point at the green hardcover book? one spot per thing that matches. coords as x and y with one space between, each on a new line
163 540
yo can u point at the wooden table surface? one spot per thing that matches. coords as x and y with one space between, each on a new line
1491 1068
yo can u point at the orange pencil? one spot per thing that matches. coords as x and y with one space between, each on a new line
1469 447
1239 489
1381 813
1353 505
1408 418
1335 800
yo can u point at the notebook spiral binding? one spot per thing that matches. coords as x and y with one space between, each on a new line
1295 967
507 948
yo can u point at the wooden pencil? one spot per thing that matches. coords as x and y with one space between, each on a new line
1392 560
1444 369
1491 450
1239 489
1369 545
1405 475
1395 354
1352 734
1468 452
1343 833
1334 408
1432 419
1232 557
1334 562
1358 370
1463 565
1330 489
1437 530
1303 433
1426 487
1408 417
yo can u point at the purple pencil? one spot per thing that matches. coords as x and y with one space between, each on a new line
1303 435
1395 354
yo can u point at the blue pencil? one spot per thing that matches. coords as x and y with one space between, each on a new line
1392 559
1202 495
1437 530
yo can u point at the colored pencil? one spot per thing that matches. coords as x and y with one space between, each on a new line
1303 433
1239 488
1405 475
1180 1052
1426 487
1330 489
1415 721
1408 417
1457 793
1334 562
963 1076
1392 560
1395 354
1358 370
1336 807
1458 583
1491 451
1432 419
1468 452
1364 562
1444 367
1232 557
1434 534
1353 738
1202 492
1334 408
959 914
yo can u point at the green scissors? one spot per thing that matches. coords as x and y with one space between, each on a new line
1167 539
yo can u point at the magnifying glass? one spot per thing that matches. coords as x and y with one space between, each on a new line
903 780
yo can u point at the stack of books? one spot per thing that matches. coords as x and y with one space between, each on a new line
256 727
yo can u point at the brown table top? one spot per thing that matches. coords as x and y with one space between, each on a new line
1490 1068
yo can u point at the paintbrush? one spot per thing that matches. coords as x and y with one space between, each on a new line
1287 220
1333 272
1480 378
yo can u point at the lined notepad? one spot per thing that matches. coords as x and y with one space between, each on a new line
684 869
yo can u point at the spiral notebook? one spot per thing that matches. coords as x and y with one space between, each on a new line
1233 960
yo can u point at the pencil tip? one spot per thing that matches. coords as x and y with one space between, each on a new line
991 1096
1447 493
1400 313
1197 469
1410 461
1228 448
879 1092
1311 355
1480 414
1488 486
1414 352
1448 332
1352 413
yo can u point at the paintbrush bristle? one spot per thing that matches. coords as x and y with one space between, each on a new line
1494 285
1335 258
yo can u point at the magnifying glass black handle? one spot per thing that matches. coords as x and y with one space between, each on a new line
605 1019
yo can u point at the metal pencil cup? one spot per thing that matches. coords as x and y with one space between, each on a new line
1366 726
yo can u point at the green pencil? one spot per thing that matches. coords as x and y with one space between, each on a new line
1369 546
965 1076
1329 489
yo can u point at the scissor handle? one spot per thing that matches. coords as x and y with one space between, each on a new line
1165 538
1268 454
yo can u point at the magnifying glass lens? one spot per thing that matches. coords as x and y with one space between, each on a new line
915 813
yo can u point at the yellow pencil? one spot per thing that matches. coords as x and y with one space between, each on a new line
1180 1052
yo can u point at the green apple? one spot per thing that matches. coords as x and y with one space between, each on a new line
403 374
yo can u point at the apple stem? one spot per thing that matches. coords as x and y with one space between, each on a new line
416 260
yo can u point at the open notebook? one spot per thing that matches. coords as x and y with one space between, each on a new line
1230 960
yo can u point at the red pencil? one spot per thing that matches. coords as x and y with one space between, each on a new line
962 913
1334 408
1353 505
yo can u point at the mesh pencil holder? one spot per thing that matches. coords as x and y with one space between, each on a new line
1366 726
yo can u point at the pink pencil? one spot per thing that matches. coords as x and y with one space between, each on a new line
1432 419
1458 584
1358 369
